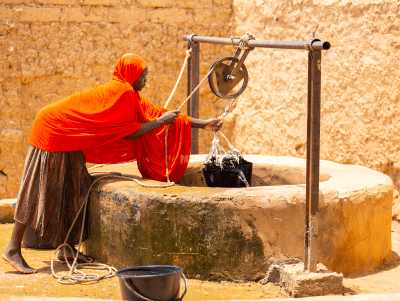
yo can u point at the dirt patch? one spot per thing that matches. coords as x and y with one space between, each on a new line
383 280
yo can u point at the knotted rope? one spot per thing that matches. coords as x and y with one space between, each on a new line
244 41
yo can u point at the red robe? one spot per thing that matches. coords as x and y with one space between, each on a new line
96 121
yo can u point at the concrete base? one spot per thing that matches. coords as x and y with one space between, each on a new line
298 283
7 210
302 284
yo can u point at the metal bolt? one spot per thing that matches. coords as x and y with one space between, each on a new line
230 77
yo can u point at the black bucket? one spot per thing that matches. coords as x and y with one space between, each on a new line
216 176
153 282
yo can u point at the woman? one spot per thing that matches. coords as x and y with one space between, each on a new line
110 123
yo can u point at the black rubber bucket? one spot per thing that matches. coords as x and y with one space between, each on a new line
150 283
227 177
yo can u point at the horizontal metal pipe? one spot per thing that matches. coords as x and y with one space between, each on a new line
317 45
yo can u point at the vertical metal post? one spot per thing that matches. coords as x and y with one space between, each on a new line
313 156
308 153
189 80
193 81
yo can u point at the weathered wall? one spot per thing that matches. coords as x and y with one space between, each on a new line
50 49
360 81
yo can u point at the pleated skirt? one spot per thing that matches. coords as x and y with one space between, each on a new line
53 188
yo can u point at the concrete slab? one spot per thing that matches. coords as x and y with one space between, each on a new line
289 273
302 284
7 209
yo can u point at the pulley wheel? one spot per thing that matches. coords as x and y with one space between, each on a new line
222 83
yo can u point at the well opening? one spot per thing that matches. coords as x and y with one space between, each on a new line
264 174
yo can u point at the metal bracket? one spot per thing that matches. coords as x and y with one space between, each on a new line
190 38
308 44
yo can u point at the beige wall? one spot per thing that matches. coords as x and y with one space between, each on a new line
51 49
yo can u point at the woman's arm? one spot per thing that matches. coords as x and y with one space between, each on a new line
166 118
212 124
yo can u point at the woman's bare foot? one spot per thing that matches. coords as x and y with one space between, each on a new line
15 259
70 257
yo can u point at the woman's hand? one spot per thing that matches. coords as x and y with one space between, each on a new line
213 124
169 117
166 118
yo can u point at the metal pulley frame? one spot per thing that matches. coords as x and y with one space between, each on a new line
229 76
314 48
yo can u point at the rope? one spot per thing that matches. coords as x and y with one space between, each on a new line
78 276
179 77
166 104
195 89
166 133
244 41
227 109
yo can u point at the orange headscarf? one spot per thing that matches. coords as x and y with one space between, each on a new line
96 121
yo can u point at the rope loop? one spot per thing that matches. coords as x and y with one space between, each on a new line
244 41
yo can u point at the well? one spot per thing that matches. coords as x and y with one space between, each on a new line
230 233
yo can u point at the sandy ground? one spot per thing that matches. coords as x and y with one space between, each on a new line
42 284
383 280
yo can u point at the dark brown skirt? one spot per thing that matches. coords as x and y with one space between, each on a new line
53 187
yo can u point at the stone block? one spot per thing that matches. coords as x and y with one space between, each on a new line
72 14
31 14
57 2
127 15
156 3
101 2
7 210
169 15
5 13
299 283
